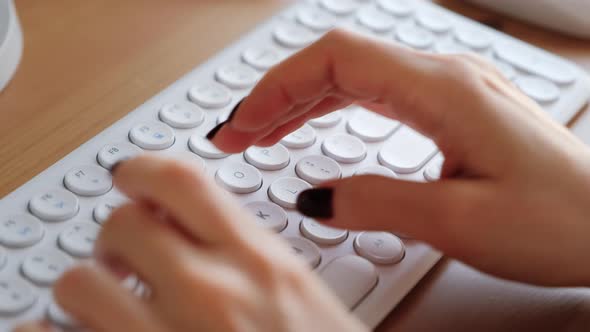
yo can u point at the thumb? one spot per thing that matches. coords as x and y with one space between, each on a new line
424 211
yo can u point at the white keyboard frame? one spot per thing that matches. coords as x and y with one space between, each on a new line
394 281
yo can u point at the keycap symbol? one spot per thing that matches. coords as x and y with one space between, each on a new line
239 175
297 251
262 215
59 205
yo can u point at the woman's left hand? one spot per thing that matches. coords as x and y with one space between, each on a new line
207 265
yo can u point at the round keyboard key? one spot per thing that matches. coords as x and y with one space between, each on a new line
103 210
376 170
20 231
306 250
380 247
239 178
152 135
315 19
375 20
322 235
111 154
505 69
3 258
293 36
316 169
371 127
473 37
45 267
433 21
55 205
16 296
56 314
284 191
327 121
237 76
301 138
210 95
268 215
414 36
182 116
78 239
397 7
340 7
262 58
204 148
433 171
88 181
271 158
345 148
539 89
451 47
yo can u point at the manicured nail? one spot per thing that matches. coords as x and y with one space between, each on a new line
316 203
217 128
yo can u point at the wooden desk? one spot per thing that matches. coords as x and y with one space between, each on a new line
88 63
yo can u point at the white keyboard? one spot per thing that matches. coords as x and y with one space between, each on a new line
51 222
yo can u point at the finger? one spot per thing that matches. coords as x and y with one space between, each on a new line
99 302
35 327
196 204
424 211
146 245
360 69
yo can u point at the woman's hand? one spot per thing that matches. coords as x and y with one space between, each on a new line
208 265
514 200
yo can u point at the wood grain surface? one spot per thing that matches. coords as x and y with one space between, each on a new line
88 63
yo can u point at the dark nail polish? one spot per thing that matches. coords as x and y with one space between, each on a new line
215 130
316 203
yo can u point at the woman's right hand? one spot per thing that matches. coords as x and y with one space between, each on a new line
514 198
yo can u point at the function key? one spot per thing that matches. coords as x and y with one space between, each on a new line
237 76
407 151
284 191
204 148
210 95
182 116
351 278
316 169
111 154
380 247
535 62
152 135
45 267
271 158
433 21
16 296
414 36
55 205
268 215
340 7
344 148
397 7
316 20
539 89
306 250
473 37
375 20
262 58
301 138
294 36
321 234
103 210
239 178
434 169
376 170
78 239
88 180
20 231
327 121
370 126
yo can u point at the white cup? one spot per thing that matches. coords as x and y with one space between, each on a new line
11 41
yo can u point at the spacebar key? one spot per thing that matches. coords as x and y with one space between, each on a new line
351 278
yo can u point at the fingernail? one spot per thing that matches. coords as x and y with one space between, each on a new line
316 203
217 128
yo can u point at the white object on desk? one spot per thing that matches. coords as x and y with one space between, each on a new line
11 42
